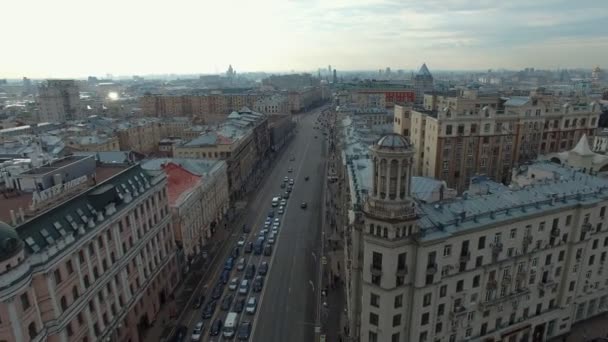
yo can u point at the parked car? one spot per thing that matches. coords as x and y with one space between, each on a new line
217 292
282 185
271 213
235 252
227 302
244 331
224 277
258 284
252 304
244 288
241 241
281 210
180 333
249 247
234 284
216 327
209 309
290 170
197 331
250 272
241 264
303 205
246 229
229 264
267 250
239 305
263 268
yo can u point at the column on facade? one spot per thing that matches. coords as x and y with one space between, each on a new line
399 173
52 291
100 322
388 177
16 321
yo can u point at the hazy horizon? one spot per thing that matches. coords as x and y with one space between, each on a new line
64 39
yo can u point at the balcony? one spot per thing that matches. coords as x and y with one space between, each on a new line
506 279
547 285
458 311
497 300
376 270
586 227
402 271
431 269
388 210
465 256
496 247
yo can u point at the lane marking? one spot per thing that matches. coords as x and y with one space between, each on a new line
260 302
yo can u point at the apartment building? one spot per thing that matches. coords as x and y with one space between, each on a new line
97 143
59 101
96 262
459 137
304 98
375 94
523 264
198 199
242 140
208 108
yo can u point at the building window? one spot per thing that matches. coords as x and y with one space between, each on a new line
459 285
396 320
86 281
395 337
398 301
448 130
75 292
69 329
440 309
373 337
25 301
481 244
69 266
476 280
513 233
426 300
57 274
447 250
443 290
374 300
373 319
424 320
32 330
80 318
479 261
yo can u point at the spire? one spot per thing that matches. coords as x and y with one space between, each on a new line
424 71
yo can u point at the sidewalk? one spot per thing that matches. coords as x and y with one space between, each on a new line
164 321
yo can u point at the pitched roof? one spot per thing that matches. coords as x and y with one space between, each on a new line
582 147
424 71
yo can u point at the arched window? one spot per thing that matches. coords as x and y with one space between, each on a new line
385 232
32 330
64 303
95 272
86 281
75 292
371 228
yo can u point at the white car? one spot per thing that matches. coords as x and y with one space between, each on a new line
283 202
271 241
197 332
252 304
234 283
281 210
241 242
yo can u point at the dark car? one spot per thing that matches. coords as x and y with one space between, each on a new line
258 284
239 305
282 185
248 247
217 291
209 309
216 327
227 302
235 252
263 268
224 277
229 264
267 250
303 205
306 178
244 331
246 229
286 195
271 213
198 302
250 272
180 334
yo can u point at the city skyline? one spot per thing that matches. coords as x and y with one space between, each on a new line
113 37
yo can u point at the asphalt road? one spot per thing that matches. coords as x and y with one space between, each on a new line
286 305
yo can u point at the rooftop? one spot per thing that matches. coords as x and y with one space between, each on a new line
23 200
570 188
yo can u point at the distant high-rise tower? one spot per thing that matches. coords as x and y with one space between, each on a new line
423 82
27 86
59 101
231 72
335 76
329 69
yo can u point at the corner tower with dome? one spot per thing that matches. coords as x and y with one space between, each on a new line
385 241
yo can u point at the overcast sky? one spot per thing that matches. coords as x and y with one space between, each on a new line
69 38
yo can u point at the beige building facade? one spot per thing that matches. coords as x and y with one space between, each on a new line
523 264
59 101
97 267
470 134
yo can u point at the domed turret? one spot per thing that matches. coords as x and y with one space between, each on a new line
10 242
392 156
393 141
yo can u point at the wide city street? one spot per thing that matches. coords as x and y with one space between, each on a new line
286 305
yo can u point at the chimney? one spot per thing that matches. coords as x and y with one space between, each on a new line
13 218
